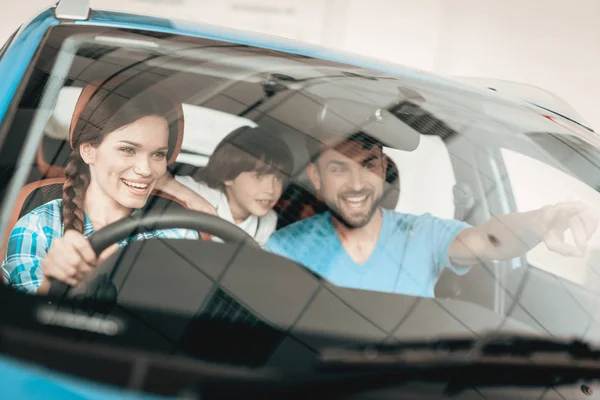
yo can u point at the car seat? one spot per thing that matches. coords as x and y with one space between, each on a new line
40 192
55 149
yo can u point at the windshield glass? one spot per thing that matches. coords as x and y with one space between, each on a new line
345 205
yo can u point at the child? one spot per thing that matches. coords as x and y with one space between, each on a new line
241 183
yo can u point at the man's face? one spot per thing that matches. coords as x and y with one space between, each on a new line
350 180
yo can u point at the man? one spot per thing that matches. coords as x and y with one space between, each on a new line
358 244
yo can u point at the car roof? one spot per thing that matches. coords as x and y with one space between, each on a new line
208 31
477 95
205 30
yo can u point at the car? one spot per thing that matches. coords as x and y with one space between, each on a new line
165 318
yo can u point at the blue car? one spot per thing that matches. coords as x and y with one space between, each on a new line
256 217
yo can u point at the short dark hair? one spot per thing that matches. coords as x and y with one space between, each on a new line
316 146
243 150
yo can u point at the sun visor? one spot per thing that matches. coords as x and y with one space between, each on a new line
342 117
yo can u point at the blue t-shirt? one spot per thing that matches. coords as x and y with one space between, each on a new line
410 254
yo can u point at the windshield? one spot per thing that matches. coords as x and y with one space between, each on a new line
355 206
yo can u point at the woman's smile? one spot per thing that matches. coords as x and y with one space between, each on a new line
137 188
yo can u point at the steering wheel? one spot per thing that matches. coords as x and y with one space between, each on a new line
151 221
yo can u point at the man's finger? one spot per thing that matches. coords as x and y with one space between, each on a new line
579 235
590 222
570 204
566 212
564 249
555 242
585 215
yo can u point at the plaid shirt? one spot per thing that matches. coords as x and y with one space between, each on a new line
32 237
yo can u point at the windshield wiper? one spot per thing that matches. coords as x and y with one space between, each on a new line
492 344
464 362
451 365
454 364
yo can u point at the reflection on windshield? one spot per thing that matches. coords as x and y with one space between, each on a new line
407 215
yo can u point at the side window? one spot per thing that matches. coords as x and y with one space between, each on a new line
426 178
8 42
535 183
426 175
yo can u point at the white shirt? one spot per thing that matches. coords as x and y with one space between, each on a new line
260 228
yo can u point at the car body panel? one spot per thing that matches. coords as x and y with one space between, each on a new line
26 381
23 48
466 85
123 20
19 54
23 381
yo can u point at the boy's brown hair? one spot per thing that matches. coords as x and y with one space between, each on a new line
243 150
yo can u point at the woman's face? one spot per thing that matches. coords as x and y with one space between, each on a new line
127 164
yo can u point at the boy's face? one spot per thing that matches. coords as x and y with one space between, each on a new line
254 193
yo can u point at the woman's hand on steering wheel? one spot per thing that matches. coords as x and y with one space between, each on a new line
70 258
73 256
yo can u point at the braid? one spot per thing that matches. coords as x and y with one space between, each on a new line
77 180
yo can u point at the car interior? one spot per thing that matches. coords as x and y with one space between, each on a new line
242 306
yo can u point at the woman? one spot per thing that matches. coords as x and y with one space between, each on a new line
123 134
241 183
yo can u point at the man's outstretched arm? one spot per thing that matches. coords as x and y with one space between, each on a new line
508 236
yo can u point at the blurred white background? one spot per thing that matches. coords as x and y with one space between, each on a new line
553 44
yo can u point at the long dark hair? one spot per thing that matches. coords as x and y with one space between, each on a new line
108 109
243 150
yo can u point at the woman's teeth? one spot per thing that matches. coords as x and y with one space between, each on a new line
135 184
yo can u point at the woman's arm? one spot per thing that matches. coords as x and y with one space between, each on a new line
190 198
26 248
37 251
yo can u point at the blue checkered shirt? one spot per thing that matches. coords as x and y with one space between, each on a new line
32 237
